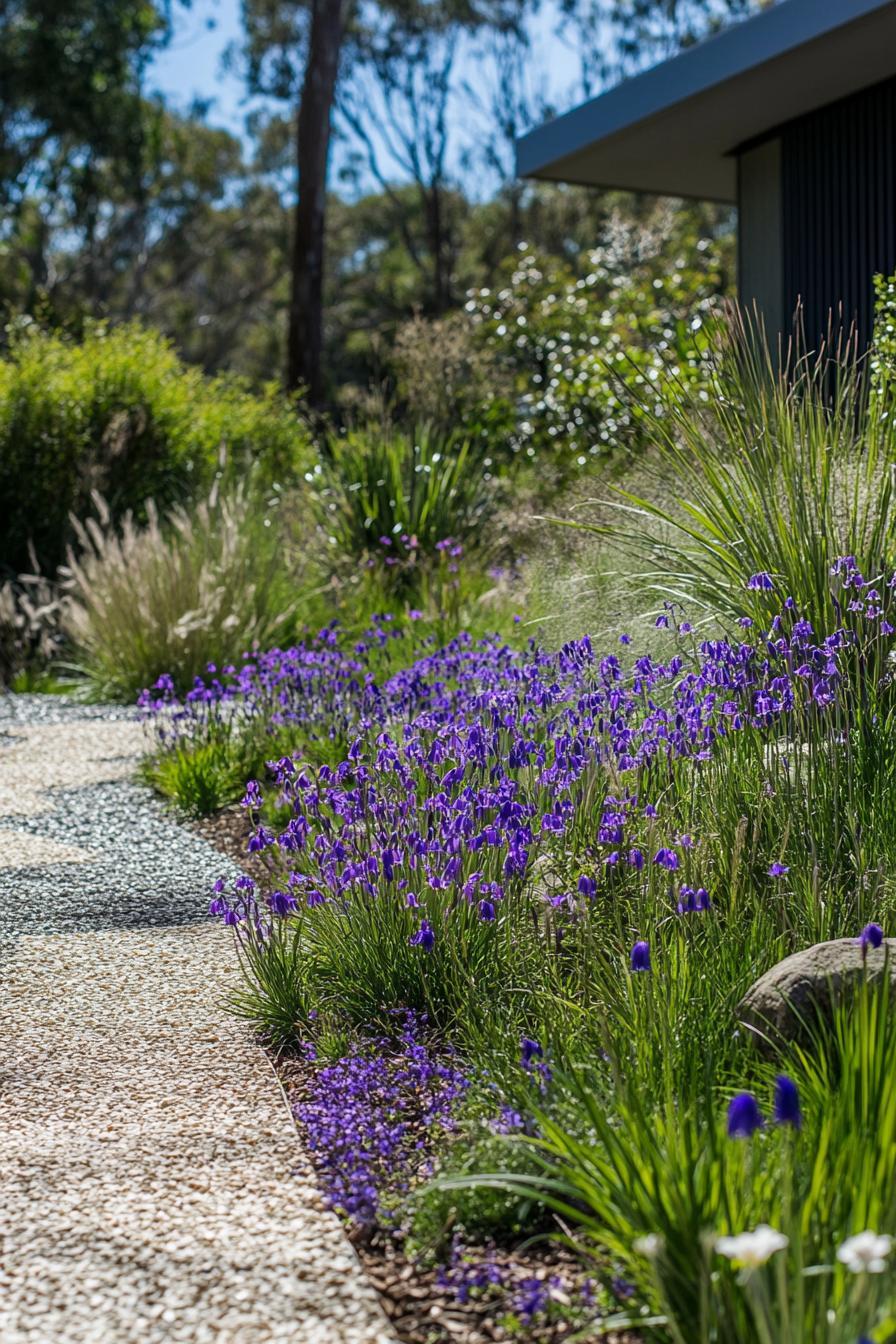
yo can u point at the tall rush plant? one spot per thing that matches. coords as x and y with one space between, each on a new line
774 465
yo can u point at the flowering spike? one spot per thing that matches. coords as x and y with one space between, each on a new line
871 936
640 956
787 1102
744 1116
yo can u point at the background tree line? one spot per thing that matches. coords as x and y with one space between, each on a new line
248 254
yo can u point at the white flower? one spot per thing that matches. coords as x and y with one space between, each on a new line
648 1246
752 1249
865 1253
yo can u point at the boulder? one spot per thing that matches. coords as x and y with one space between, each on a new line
800 992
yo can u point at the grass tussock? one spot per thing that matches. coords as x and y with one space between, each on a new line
194 588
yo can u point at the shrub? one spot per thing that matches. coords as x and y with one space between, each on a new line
120 414
197 588
446 376
574 339
478 1212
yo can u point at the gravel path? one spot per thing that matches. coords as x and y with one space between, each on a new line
151 1182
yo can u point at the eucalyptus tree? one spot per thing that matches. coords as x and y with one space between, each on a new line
305 53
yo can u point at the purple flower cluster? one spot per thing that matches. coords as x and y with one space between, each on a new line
745 1114
466 791
322 693
469 765
528 1296
318 689
370 1120
466 1273
533 1297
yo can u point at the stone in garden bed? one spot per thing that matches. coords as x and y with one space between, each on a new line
801 991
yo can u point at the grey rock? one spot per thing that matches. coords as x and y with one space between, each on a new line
799 994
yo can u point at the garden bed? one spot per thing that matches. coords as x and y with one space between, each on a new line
481 1295
514 905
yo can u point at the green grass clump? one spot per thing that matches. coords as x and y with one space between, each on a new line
774 468
185 590
200 780
387 497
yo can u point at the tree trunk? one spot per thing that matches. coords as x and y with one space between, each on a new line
305 343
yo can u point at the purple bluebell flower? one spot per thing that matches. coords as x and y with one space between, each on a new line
787 1102
508 1121
424 937
744 1116
666 858
529 1050
587 885
871 936
778 869
761 582
640 956
282 902
687 900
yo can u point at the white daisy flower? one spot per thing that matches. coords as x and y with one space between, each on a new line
865 1253
752 1249
648 1246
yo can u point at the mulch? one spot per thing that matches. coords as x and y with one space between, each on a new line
228 831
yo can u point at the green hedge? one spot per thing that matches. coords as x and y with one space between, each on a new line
120 413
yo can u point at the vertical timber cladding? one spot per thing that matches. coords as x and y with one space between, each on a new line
838 196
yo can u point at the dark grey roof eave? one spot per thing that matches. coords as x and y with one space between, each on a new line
556 174
639 103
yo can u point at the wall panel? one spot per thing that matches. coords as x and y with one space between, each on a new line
838 208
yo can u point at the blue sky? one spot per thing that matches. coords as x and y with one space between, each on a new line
192 65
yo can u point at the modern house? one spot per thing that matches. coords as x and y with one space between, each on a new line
790 114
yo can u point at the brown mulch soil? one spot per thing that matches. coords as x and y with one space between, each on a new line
420 1309
228 831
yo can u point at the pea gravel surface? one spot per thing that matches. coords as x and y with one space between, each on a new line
152 1186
